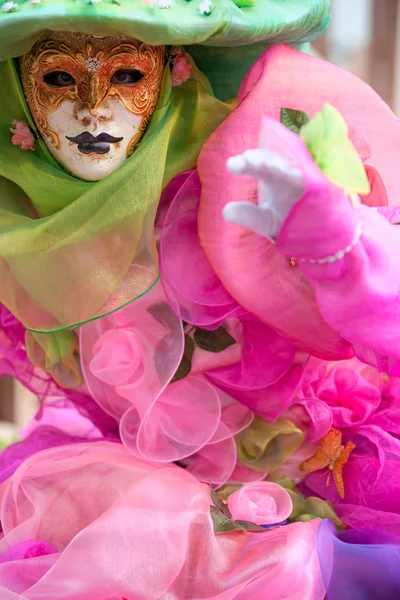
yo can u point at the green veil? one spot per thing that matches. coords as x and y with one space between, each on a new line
72 251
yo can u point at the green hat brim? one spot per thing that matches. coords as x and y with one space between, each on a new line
228 26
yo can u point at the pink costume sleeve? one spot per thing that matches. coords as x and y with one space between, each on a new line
351 258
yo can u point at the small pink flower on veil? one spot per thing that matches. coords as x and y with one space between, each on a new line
181 69
261 502
22 135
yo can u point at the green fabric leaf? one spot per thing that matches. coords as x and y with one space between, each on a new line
294 119
327 139
220 504
324 510
305 518
213 341
226 490
281 479
185 367
221 523
249 526
161 312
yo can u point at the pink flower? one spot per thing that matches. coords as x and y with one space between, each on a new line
181 70
117 357
261 502
22 135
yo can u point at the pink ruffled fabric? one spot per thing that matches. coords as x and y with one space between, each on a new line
63 417
365 407
129 360
190 282
105 515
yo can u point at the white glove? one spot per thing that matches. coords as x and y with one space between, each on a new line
280 186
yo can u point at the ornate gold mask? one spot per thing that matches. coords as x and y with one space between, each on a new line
91 98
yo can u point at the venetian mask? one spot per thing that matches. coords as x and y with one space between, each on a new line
91 98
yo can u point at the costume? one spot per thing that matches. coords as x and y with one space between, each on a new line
199 281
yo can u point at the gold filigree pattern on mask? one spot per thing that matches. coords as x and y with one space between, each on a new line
70 52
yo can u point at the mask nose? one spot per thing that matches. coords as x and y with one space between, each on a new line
93 110
94 116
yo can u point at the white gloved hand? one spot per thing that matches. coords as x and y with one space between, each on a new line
280 186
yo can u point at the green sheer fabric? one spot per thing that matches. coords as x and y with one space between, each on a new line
72 251
266 446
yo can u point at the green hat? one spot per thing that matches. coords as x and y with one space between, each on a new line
225 36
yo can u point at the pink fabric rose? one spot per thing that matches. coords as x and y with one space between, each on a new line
117 357
261 502
181 70
22 135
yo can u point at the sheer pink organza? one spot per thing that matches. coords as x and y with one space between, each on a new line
197 292
113 521
250 267
129 360
63 417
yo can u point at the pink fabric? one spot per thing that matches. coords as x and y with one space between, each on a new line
365 407
250 267
309 82
265 358
64 416
262 503
351 391
129 360
108 514
201 299
358 291
27 549
378 195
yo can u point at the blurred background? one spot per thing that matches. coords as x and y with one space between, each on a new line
364 38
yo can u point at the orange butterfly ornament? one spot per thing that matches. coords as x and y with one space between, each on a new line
333 455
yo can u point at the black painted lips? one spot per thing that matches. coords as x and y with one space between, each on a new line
90 144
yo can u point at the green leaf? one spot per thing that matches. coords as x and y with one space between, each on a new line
249 526
161 312
305 518
327 139
221 523
281 479
162 349
185 367
220 504
323 509
213 341
294 119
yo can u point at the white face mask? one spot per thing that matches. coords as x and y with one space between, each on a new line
91 98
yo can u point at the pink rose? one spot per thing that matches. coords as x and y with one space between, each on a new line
261 502
117 357
22 135
181 70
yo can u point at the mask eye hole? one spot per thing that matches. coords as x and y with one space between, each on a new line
59 79
126 77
